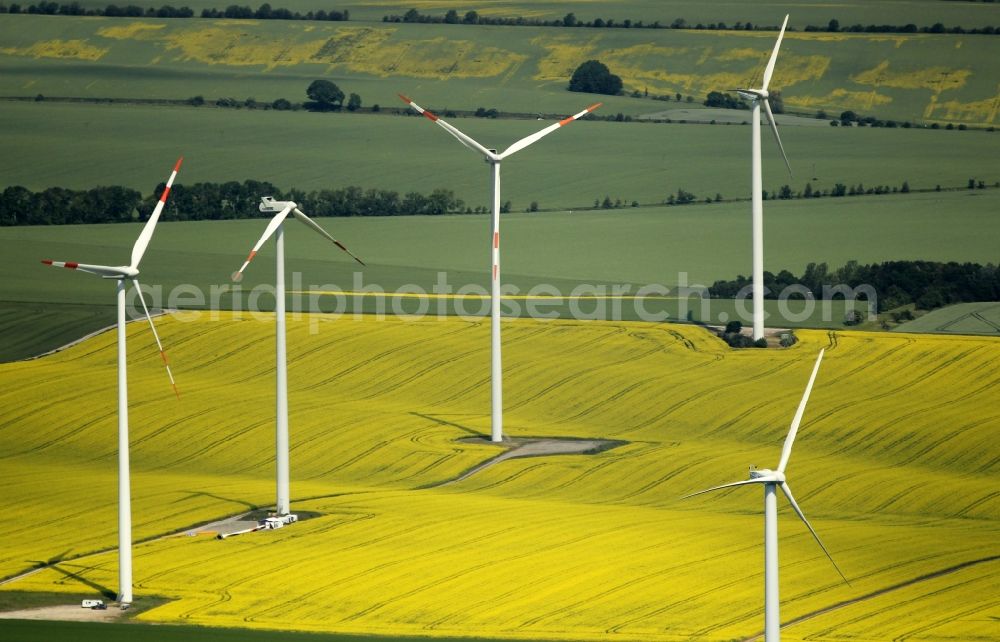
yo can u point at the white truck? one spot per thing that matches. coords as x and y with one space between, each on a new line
91 604
280 521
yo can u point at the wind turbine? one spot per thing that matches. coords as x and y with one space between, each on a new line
758 97
772 480
493 159
121 273
281 210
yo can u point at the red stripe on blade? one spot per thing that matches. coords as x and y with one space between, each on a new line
496 239
163 196
71 266
252 254
566 121
430 115
494 271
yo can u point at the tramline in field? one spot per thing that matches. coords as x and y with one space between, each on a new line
121 273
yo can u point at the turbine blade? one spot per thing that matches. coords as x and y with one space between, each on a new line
319 230
786 450
732 485
769 70
774 128
142 242
528 140
152 326
466 140
99 270
798 511
268 231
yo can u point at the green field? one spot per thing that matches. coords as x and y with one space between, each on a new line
566 251
963 318
79 146
36 631
30 329
918 77
897 473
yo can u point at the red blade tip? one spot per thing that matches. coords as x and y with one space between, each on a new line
178 165
594 106
405 99
47 261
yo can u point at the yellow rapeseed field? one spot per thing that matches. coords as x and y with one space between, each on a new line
896 466
63 49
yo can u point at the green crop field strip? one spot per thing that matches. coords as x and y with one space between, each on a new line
962 318
701 243
35 631
572 547
79 146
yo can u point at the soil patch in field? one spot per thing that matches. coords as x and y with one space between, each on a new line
516 447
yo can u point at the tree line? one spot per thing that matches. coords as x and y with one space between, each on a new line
212 201
727 100
232 12
266 12
839 189
570 20
925 284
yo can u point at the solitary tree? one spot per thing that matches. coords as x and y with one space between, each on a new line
325 94
354 102
594 77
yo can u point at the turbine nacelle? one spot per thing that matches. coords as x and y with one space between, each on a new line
127 272
753 94
766 475
269 205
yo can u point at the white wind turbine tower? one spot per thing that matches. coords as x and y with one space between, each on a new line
758 97
493 159
121 273
772 480
281 210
